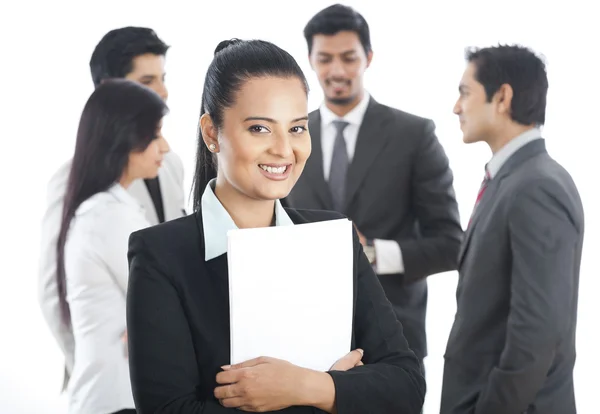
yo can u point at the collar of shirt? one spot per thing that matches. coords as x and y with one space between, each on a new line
354 117
216 222
115 193
500 157
329 131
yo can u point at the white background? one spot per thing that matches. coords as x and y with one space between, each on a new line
418 60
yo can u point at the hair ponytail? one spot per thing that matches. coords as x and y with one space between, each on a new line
61 279
234 62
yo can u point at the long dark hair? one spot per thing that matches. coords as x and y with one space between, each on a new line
119 118
235 62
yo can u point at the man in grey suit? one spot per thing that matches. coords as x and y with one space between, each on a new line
512 346
383 168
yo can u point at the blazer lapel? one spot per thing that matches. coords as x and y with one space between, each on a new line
484 204
314 165
522 155
370 142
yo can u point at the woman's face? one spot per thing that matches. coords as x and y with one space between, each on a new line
264 141
146 163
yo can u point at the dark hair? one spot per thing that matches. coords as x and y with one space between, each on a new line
520 68
338 18
235 61
113 56
119 118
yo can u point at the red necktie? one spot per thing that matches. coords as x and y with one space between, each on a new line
484 184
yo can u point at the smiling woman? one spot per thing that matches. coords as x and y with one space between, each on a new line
261 145
253 126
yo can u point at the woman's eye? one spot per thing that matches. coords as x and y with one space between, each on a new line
298 129
258 129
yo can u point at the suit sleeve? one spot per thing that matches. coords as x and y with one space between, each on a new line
163 367
434 204
543 241
390 381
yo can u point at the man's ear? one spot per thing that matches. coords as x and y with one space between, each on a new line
369 58
310 62
503 98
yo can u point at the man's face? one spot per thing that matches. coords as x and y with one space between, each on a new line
149 70
340 62
476 115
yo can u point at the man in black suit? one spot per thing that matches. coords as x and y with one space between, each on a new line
383 168
512 345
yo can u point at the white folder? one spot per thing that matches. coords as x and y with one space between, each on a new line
291 292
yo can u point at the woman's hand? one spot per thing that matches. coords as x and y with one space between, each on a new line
348 361
261 384
270 384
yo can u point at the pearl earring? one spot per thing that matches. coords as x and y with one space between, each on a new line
212 147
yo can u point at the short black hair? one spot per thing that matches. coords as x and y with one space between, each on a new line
520 68
338 18
113 56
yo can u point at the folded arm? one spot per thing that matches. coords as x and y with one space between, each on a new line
162 362
390 381
163 367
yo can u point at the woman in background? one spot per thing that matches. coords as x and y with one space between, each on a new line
118 141
254 126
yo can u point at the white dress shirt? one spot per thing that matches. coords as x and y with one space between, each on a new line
515 144
216 222
96 270
388 256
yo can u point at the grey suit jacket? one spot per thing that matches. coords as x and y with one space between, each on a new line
399 187
512 346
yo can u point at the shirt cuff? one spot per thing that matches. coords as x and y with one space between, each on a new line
388 257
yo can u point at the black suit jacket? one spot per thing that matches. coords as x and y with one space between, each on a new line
178 329
512 346
399 187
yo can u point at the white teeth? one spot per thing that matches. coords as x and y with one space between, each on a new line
273 170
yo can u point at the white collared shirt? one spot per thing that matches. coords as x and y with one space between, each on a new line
388 256
329 131
515 144
216 222
170 176
97 271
